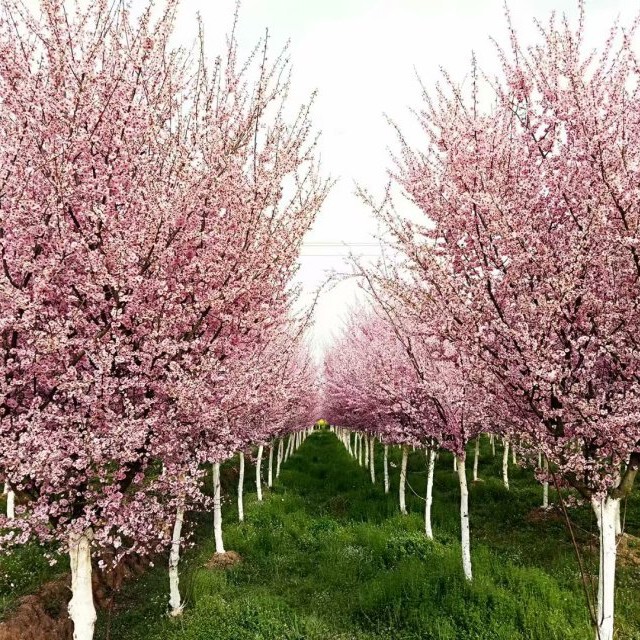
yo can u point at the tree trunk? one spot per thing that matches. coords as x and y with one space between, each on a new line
360 452
431 463
476 458
514 457
217 509
385 465
465 538
455 464
174 558
11 504
372 466
505 465
365 442
545 486
81 608
270 471
241 489
280 456
605 510
493 444
403 479
259 473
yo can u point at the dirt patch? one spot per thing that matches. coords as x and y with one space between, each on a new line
44 616
552 514
223 560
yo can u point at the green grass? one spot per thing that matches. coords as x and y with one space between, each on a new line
327 556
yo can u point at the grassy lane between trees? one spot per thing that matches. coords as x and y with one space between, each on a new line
327 556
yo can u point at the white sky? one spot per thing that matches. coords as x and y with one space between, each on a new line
361 56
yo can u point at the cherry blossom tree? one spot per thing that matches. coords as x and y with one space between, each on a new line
530 253
125 171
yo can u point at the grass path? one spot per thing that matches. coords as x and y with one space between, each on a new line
327 556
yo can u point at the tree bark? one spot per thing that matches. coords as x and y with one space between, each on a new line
280 456
259 473
505 465
431 460
174 559
270 470
606 510
385 465
365 442
476 458
372 465
81 608
241 489
545 486
217 509
11 504
403 479
465 538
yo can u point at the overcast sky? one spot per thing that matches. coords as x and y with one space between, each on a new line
362 57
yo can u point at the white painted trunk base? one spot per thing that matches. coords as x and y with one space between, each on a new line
366 450
280 456
81 608
11 504
270 470
241 489
385 466
431 463
476 458
259 473
465 537
545 486
403 479
372 459
217 509
606 511
174 559
505 465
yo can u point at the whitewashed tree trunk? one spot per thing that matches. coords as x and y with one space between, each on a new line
431 463
465 538
360 452
270 470
492 437
545 486
403 479
280 456
81 608
174 559
11 504
514 457
372 459
241 489
505 464
385 466
259 473
476 458
455 464
365 442
606 510
217 509
5 488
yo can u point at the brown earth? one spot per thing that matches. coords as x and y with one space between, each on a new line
43 616
222 560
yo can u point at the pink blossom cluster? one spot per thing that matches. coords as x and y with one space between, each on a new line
152 208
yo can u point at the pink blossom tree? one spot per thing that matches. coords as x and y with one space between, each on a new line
531 253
